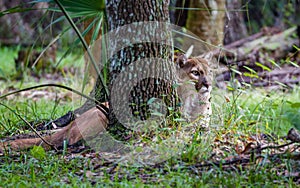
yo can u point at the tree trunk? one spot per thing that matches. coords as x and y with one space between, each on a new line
297 19
207 22
138 71
235 27
179 12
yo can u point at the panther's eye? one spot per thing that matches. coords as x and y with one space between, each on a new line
195 73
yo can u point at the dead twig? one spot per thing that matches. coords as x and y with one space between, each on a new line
276 147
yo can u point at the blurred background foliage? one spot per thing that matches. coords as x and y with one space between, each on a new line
36 24
262 13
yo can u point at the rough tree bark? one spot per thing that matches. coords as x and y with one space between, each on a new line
121 13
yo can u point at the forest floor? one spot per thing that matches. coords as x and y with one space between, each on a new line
250 142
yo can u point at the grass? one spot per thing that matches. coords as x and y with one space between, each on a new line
49 104
56 171
7 67
237 115
255 110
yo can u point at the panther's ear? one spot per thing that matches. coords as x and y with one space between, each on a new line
189 51
208 56
180 59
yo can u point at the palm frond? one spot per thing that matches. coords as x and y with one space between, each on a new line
78 8
15 9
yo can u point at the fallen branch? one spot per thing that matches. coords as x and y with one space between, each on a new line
258 55
264 32
245 48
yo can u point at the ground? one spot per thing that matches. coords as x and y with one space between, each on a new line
246 122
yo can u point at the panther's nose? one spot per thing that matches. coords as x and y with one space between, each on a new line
203 82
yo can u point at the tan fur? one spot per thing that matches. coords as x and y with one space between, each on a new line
195 85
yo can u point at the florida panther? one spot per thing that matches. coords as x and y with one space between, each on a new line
195 85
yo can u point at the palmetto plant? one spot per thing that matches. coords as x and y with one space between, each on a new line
90 13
